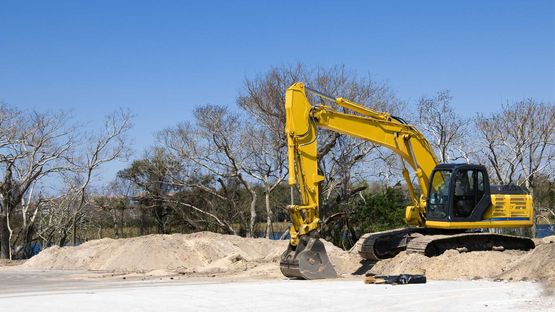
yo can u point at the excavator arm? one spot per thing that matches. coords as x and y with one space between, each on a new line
302 122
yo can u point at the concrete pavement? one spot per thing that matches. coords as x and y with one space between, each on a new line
56 292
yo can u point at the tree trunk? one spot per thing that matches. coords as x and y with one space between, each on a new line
116 229
253 215
4 236
268 212
27 233
63 238
74 233
121 223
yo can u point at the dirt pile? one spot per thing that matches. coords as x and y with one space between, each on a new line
211 254
538 264
203 253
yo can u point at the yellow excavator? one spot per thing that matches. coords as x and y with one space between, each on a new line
456 201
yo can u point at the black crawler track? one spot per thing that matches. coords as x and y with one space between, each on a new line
435 245
387 244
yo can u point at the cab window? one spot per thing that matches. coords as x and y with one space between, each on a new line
481 187
465 193
438 201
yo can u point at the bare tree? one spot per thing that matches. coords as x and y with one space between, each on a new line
214 146
519 141
266 164
445 128
54 217
40 150
184 145
109 144
33 146
263 98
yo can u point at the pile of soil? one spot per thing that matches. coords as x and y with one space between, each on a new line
210 254
203 253
538 264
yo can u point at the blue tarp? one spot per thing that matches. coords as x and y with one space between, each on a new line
543 230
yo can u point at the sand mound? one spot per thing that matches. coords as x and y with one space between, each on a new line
211 254
198 253
538 264
450 265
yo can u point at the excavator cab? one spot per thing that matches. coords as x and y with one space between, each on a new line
458 192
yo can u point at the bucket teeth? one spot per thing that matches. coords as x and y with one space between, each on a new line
308 260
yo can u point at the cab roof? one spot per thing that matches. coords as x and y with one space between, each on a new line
454 166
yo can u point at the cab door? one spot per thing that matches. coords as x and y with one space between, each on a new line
438 202
470 194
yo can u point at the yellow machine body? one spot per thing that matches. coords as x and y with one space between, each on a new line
506 211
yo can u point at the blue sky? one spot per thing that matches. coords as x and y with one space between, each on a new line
163 58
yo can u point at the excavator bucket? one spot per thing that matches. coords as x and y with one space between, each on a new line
308 260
